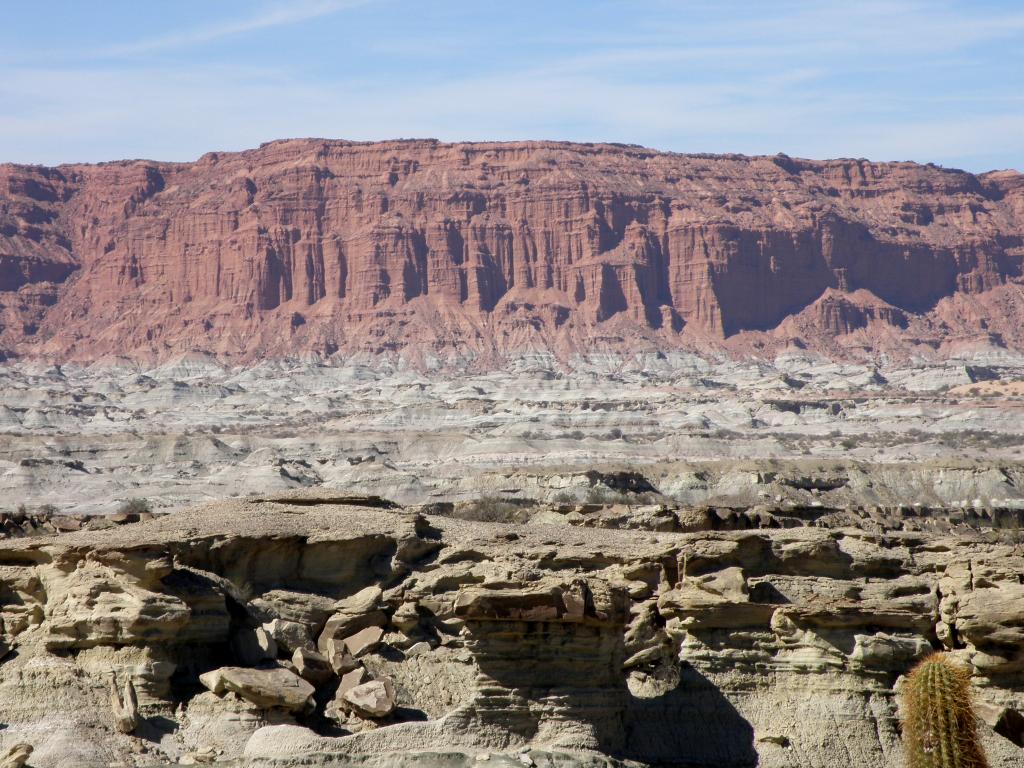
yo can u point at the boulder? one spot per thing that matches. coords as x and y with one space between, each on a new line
342 661
418 649
350 680
373 699
338 708
289 635
309 609
351 615
266 688
363 641
312 666
362 602
1006 721
65 523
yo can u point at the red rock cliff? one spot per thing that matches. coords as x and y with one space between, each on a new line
313 245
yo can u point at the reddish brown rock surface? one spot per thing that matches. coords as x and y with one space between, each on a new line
312 245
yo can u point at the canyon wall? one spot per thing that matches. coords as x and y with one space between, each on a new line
488 249
323 630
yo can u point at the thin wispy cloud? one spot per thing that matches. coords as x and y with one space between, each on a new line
267 18
885 79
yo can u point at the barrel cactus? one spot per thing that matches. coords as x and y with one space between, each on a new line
939 727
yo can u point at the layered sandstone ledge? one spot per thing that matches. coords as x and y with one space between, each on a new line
344 631
483 250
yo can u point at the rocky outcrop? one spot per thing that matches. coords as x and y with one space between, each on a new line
550 660
16 756
270 688
125 707
526 644
375 698
488 249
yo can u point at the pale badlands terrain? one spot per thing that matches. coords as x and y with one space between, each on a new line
85 439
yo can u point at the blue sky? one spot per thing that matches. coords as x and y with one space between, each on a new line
937 81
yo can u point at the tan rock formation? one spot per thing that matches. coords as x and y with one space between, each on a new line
16 756
375 698
272 687
312 666
364 641
781 648
289 636
125 707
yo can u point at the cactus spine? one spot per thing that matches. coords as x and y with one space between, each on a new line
939 728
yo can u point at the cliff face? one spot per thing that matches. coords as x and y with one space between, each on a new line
313 245
574 646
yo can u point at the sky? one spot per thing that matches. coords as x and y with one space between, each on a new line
933 81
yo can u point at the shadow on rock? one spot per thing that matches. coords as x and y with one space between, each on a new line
693 725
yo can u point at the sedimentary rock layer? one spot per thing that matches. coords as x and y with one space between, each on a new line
312 245
334 633
942 436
